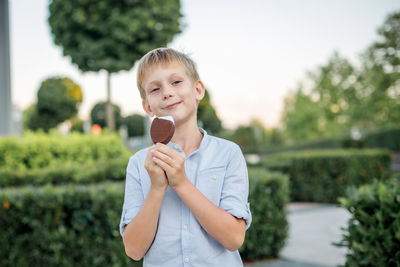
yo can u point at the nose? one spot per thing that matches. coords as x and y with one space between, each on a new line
167 92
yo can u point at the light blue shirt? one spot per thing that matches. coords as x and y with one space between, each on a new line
218 170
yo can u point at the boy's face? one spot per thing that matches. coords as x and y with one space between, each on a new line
171 92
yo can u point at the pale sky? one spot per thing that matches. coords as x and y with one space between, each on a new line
249 54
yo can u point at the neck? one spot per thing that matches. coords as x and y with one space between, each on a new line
188 137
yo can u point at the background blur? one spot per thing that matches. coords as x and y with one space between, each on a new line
310 91
249 54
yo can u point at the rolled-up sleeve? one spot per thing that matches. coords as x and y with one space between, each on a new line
235 190
133 199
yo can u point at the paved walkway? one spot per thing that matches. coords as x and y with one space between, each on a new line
312 229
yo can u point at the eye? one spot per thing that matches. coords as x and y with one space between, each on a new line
153 90
176 82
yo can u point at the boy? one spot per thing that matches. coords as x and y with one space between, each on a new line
185 202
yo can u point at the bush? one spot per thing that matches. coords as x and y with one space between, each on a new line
323 175
373 232
77 225
384 138
62 226
268 196
39 150
329 143
135 124
91 172
389 139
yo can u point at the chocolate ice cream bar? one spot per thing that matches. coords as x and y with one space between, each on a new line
162 129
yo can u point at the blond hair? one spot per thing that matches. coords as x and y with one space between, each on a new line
164 56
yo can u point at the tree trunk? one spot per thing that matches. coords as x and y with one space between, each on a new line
109 108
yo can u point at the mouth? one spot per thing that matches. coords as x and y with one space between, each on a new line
172 106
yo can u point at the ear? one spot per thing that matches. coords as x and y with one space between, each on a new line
200 90
147 108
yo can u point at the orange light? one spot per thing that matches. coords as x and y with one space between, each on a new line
96 129
6 204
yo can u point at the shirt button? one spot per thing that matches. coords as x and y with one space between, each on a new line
185 227
186 259
176 147
214 177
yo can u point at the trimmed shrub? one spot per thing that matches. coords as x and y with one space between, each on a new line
372 236
70 172
389 139
39 150
62 226
77 225
268 196
384 138
323 175
329 143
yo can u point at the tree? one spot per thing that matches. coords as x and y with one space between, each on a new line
387 50
301 117
378 95
207 115
341 97
58 100
98 114
135 124
112 35
253 136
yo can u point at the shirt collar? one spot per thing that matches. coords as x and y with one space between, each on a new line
203 143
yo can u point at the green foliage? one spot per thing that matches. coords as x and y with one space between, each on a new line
27 116
207 115
58 100
39 150
268 196
325 109
112 35
323 175
135 124
254 137
340 97
389 138
76 225
329 143
98 115
76 125
300 117
67 173
62 226
387 49
372 236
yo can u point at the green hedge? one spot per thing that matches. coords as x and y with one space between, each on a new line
77 225
39 150
372 236
268 196
384 138
328 143
323 175
62 226
70 172
389 139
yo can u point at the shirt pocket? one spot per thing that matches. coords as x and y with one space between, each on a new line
209 182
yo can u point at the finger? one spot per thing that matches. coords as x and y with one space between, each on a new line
166 149
164 157
162 164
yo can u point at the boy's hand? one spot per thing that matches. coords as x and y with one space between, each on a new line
172 162
156 173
